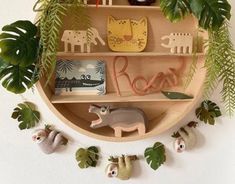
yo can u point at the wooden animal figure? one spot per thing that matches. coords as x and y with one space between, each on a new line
179 43
49 140
104 2
141 2
120 119
121 169
127 35
186 138
80 38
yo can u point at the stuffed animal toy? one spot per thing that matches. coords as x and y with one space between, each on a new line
49 140
121 167
185 138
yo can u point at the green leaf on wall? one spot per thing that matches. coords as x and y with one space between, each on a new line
17 79
87 157
26 115
208 111
19 44
155 156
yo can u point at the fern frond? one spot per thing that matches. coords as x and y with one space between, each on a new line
220 65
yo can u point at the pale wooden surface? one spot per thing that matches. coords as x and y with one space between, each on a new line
161 112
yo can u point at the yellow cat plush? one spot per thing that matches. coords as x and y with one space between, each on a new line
127 35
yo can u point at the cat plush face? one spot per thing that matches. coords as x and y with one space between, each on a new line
126 35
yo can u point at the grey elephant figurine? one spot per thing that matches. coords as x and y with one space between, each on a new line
120 119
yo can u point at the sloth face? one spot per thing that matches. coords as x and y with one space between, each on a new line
112 170
179 145
39 136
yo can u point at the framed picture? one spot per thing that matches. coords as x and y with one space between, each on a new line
80 77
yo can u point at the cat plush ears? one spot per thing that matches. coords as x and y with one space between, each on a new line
141 21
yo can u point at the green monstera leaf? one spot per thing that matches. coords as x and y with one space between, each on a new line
175 10
26 115
211 13
87 157
155 156
19 44
16 78
208 111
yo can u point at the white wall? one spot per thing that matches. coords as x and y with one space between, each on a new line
213 161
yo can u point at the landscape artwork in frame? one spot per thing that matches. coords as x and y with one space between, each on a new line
86 77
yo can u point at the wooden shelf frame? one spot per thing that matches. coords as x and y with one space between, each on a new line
125 7
113 98
128 54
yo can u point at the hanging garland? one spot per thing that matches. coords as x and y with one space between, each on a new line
121 167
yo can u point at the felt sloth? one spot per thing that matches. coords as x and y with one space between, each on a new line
120 167
48 140
185 138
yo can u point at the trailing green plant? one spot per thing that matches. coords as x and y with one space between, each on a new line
220 66
87 157
208 111
155 156
19 52
50 23
210 13
26 115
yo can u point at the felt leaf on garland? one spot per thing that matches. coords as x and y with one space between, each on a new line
208 111
26 115
176 95
155 156
87 157
19 43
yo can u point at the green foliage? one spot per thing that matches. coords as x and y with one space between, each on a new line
220 66
176 95
87 157
208 111
19 43
26 115
155 156
175 10
210 13
16 78
50 22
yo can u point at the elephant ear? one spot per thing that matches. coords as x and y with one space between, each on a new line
17 79
19 43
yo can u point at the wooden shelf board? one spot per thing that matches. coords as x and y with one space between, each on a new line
113 54
112 97
125 7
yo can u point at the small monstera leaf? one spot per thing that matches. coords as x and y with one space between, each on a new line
19 44
155 156
175 10
87 157
208 111
176 95
211 13
26 115
17 79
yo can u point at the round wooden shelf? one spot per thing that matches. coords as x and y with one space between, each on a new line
161 112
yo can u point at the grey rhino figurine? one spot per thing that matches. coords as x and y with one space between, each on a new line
120 119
